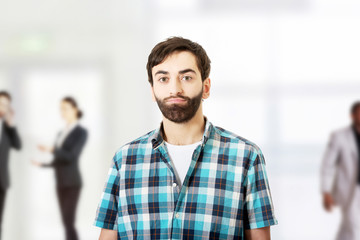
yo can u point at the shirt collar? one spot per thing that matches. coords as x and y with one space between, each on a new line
156 137
357 134
72 126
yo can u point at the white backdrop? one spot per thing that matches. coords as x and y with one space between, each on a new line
284 74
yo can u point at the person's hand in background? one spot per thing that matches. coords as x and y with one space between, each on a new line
36 163
9 117
328 202
44 148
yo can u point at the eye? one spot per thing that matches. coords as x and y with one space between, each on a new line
186 78
163 79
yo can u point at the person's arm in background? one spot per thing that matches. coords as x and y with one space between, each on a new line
258 234
328 171
14 137
107 234
11 130
65 156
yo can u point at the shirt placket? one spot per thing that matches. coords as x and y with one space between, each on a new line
179 204
175 181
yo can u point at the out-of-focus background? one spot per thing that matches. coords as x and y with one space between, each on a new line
284 74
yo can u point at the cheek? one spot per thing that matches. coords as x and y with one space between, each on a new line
66 112
4 109
192 90
3 106
160 92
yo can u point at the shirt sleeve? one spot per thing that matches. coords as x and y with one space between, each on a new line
107 211
258 202
329 164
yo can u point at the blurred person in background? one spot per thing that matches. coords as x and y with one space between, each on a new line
66 153
187 179
340 176
9 138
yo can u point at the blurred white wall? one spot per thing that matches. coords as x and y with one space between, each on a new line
284 74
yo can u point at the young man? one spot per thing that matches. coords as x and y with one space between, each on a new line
9 138
187 179
340 176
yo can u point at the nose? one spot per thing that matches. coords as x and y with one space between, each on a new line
175 86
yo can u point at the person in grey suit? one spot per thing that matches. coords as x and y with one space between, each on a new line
66 153
9 138
340 176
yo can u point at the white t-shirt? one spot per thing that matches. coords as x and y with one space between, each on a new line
64 133
181 156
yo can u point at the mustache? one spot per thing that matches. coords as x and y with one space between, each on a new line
177 96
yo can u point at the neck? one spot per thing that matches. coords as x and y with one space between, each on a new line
185 133
70 121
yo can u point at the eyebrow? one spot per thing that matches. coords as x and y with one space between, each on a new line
181 71
187 70
161 72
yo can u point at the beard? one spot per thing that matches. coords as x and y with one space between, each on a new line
180 113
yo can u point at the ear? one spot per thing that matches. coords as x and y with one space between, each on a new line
206 88
152 93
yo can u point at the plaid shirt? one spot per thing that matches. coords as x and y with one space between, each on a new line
224 192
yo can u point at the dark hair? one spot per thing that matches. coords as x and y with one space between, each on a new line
355 107
5 94
163 49
73 103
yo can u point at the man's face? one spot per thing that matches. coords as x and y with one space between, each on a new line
356 117
178 88
4 106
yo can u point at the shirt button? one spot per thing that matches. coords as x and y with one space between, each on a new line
174 185
177 215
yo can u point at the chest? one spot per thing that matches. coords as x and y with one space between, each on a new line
213 193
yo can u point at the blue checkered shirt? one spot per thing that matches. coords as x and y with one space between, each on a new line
225 190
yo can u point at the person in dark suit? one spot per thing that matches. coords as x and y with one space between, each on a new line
9 138
66 151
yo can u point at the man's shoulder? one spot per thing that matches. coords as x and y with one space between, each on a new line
139 144
341 131
227 136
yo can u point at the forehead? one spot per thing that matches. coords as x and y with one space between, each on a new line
4 100
65 104
176 61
